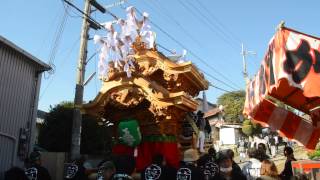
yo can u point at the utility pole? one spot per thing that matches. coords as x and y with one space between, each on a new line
244 54
78 98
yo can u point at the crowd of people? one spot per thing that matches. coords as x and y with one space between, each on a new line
209 166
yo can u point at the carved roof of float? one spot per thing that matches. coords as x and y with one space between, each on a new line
175 86
128 92
149 61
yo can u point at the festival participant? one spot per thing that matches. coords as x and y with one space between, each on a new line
287 171
267 142
277 140
125 166
268 171
242 149
207 164
201 123
235 166
76 170
106 170
226 171
273 146
34 170
189 169
252 168
158 170
262 152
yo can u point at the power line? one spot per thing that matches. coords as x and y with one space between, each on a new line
221 89
218 21
205 22
169 17
42 45
56 41
70 15
210 22
191 52
60 65
204 72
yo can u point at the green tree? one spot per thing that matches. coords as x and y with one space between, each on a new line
249 128
233 103
55 133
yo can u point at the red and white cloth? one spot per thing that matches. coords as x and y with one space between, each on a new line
290 72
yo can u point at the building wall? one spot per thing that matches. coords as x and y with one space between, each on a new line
19 87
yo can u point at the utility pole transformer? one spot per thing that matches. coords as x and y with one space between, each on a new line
78 98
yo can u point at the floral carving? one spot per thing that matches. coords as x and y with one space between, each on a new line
127 97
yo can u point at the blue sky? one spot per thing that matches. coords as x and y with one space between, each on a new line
213 30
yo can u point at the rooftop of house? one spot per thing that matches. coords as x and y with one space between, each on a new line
212 112
43 66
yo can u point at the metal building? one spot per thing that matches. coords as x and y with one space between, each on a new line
20 77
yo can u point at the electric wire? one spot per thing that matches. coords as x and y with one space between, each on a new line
165 48
204 72
60 66
197 57
169 17
219 88
167 13
70 15
193 54
201 70
44 41
172 38
210 22
219 22
56 41
204 20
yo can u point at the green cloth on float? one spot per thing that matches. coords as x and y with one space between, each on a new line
129 132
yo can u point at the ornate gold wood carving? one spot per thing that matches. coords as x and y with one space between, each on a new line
158 94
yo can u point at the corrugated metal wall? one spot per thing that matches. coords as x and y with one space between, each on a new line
17 87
